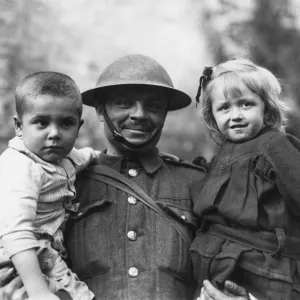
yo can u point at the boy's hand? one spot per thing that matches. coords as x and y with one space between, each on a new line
11 287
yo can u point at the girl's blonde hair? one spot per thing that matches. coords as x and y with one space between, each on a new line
234 73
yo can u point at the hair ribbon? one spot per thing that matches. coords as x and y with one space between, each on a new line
203 81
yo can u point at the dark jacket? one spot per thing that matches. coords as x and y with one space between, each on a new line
254 185
120 247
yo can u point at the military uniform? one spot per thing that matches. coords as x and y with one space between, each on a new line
122 248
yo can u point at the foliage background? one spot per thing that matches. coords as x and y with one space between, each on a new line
81 37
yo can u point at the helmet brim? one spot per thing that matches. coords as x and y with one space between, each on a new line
177 98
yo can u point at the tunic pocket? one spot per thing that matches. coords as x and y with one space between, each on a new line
88 234
203 250
172 252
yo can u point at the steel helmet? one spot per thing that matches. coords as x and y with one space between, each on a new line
135 69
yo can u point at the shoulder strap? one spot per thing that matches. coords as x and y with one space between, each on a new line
112 177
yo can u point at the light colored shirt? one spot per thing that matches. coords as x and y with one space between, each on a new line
33 193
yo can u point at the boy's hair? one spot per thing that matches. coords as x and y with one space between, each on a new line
46 83
235 73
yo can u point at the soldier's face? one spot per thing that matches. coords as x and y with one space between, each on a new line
136 114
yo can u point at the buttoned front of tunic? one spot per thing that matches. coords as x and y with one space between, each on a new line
122 248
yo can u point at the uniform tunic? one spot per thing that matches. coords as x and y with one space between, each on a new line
123 249
253 185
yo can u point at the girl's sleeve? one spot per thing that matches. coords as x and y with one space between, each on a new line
284 154
20 184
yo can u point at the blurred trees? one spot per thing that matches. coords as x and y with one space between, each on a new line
8 49
81 37
26 46
267 32
33 37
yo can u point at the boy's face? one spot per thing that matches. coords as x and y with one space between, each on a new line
50 126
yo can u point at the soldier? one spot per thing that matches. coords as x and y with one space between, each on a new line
123 245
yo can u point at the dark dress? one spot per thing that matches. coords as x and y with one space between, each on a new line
250 204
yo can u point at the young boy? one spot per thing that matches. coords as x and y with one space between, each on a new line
37 174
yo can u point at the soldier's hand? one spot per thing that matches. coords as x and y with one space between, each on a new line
231 291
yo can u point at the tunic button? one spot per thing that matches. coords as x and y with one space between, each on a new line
133 272
131 235
132 200
79 214
133 172
183 217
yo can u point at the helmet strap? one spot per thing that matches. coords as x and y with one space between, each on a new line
120 139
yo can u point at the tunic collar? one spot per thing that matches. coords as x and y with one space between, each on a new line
150 161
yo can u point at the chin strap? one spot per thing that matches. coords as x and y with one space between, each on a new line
120 139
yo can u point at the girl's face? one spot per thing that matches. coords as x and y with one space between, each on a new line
240 117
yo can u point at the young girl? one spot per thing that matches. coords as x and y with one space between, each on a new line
37 174
250 201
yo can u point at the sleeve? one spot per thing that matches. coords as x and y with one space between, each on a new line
84 157
284 155
20 185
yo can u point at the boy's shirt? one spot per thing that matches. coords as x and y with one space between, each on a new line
35 193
